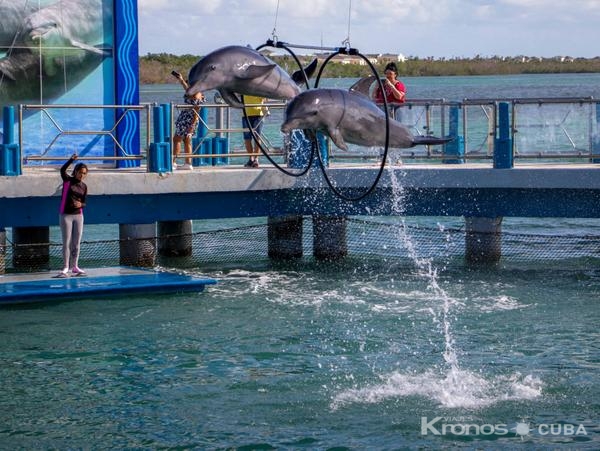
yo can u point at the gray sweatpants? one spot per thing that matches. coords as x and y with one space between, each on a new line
71 227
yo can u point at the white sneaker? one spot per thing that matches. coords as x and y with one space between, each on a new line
174 165
186 167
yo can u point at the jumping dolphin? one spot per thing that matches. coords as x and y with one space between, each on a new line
241 70
348 117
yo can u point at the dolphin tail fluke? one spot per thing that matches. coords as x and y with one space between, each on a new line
309 70
429 141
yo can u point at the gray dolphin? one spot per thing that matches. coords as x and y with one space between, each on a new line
20 77
348 117
69 27
13 14
241 70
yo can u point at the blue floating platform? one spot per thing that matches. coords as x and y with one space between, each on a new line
45 286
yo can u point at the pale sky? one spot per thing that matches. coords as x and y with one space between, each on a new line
438 28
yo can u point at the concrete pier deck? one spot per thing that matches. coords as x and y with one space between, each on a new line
133 196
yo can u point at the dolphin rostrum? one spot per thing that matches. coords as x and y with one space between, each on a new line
348 117
242 70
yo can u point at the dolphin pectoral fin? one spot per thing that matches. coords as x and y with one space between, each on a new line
309 70
231 98
5 70
337 138
429 140
89 48
363 86
255 71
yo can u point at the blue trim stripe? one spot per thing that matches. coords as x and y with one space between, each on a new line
127 75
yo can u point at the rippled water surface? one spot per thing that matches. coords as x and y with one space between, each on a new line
371 353
313 356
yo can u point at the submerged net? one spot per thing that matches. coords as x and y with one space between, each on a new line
388 239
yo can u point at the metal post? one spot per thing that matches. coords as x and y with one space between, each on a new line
167 123
201 143
159 154
456 147
159 124
8 129
503 144
596 142
2 250
10 152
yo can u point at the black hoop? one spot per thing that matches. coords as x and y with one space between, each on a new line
255 136
387 127
312 137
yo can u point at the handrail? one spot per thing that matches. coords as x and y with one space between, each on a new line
540 128
110 132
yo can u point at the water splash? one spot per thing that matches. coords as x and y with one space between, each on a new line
455 389
427 271
449 386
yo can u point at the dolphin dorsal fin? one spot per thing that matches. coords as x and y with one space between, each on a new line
255 71
309 70
363 85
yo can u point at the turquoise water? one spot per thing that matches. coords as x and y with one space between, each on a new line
370 353
313 357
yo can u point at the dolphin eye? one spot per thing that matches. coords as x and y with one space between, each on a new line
212 67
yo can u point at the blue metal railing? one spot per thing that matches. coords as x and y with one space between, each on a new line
503 131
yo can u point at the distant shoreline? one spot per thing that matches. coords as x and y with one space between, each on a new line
155 68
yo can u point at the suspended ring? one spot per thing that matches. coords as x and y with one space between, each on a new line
387 128
255 135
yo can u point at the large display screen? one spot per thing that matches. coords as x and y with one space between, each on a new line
59 52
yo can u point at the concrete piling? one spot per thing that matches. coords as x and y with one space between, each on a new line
175 238
31 248
329 237
483 240
285 237
137 244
